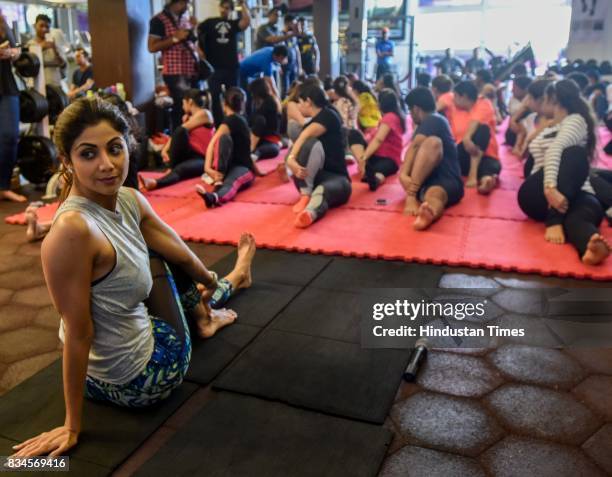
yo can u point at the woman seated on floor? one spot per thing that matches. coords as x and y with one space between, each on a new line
228 159
382 157
316 160
265 121
121 279
558 191
184 152
430 173
369 113
345 102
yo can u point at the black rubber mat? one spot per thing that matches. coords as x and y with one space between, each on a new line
110 433
333 314
374 276
78 468
279 267
209 357
242 436
257 305
324 375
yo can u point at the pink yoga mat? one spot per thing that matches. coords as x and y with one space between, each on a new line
481 232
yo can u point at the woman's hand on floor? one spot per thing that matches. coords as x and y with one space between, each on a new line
54 443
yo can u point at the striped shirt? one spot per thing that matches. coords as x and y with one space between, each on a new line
549 145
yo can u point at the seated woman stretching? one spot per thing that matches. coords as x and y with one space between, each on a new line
345 102
184 152
558 191
228 159
265 121
430 173
381 158
369 114
316 160
473 125
126 338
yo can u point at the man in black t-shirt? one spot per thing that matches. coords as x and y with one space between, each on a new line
82 78
217 38
309 50
430 173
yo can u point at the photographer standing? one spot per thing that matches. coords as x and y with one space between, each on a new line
171 33
217 38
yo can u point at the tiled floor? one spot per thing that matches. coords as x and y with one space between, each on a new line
513 410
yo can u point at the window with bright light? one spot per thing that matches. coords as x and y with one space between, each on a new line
503 26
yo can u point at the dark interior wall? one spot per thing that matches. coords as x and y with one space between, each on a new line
119 31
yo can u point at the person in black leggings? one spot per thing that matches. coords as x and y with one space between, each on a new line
382 157
184 152
265 121
228 160
316 160
558 191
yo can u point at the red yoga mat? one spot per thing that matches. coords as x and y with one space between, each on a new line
480 232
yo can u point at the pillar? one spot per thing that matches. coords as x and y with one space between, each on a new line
325 25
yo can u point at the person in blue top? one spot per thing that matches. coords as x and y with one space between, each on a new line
263 62
384 53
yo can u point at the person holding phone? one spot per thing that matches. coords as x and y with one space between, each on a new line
53 59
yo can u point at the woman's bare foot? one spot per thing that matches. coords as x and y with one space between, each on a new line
215 320
246 253
147 183
34 230
555 234
12 196
425 217
282 172
412 205
471 182
597 251
487 184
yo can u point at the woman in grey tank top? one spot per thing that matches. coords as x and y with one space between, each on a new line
122 280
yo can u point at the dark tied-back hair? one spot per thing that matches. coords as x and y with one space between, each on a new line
423 98
537 88
467 88
442 83
566 94
340 86
389 102
315 94
259 91
235 98
580 79
199 97
75 119
362 87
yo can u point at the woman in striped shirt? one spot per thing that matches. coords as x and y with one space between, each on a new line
558 191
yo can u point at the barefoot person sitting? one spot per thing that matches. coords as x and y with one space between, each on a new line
380 158
184 152
228 157
558 192
473 125
316 160
430 172
121 279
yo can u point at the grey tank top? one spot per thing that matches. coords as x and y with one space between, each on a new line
123 338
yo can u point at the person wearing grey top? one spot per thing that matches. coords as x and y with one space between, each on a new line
269 34
122 280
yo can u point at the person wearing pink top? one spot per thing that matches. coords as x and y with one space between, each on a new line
381 158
